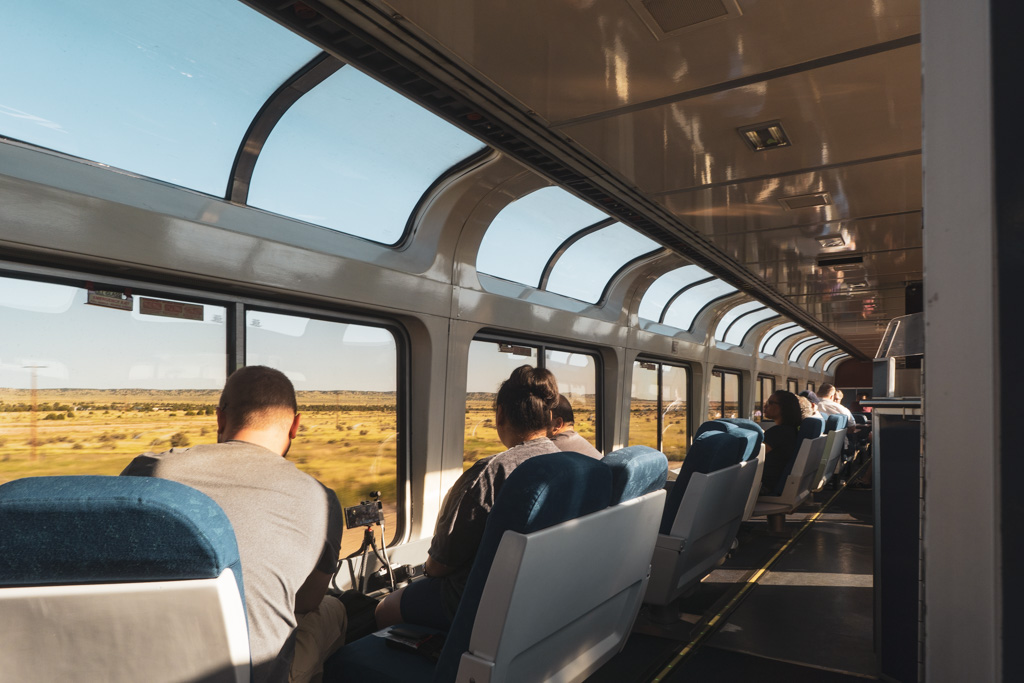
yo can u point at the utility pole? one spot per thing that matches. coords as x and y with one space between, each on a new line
32 418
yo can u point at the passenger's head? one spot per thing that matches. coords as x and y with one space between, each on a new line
256 398
838 398
811 396
562 417
806 407
523 405
783 407
827 391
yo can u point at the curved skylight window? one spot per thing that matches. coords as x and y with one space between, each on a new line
732 314
665 287
832 361
773 347
156 88
745 323
354 156
585 268
774 336
521 238
684 310
819 353
801 346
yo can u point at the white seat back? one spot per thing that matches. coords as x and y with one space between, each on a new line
560 602
703 531
830 458
162 631
798 483
755 489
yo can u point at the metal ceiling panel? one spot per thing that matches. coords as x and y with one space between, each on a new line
876 188
614 61
862 109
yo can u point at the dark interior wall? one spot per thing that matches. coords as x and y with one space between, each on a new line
853 373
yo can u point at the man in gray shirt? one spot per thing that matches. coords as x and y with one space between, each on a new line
287 524
562 433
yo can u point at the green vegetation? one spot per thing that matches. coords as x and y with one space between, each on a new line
112 427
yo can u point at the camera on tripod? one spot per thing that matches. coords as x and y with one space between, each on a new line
367 513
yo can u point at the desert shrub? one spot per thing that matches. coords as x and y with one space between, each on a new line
364 432
180 440
77 447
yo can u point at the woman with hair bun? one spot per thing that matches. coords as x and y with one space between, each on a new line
522 414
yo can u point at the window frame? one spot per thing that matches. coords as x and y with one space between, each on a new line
722 372
235 306
644 358
762 397
544 344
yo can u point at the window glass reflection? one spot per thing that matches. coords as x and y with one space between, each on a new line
84 388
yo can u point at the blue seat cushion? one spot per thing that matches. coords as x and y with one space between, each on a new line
636 471
835 422
96 529
717 445
756 433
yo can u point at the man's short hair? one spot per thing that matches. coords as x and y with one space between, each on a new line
826 390
255 396
563 410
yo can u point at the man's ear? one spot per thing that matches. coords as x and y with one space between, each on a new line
221 421
499 416
557 424
294 429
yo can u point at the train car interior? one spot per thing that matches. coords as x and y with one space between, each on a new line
682 210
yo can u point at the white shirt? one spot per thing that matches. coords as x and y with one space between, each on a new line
829 407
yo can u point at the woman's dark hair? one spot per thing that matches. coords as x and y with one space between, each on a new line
527 397
789 408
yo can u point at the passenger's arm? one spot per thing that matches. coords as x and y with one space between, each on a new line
308 597
434 568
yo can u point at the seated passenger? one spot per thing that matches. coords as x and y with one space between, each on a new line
562 433
779 441
807 408
522 413
287 524
829 404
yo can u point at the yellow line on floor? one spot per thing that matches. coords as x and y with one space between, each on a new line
708 627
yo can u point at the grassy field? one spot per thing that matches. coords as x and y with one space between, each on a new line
346 440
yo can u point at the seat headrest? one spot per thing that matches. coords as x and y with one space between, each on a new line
810 428
101 529
835 422
756 433
636 471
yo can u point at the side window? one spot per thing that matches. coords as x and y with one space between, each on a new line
793 386
659 410
490 364
724 395
91 379
765 388
345 378
810 386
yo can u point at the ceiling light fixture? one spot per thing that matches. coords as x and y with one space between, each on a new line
762 136
830 241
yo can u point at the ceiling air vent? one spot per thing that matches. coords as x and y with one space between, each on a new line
667 18
805 201
831 241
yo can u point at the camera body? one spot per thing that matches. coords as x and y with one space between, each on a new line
367 513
